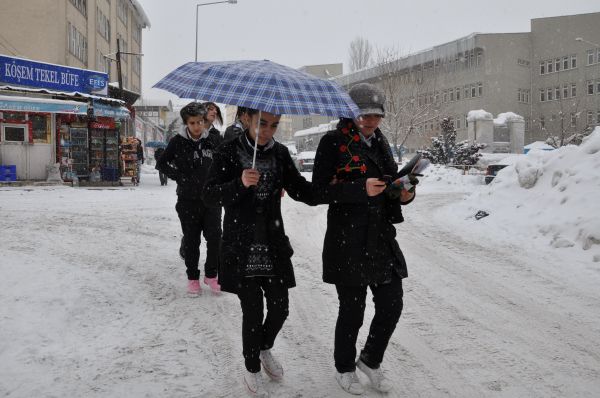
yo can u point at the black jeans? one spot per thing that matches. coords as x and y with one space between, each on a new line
388 307
163 178
257 335
195 219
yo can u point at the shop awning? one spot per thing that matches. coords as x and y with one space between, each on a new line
116 112
29 104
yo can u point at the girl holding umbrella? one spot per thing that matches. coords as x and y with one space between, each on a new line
255 250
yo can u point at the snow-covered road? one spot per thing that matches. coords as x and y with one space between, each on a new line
93 304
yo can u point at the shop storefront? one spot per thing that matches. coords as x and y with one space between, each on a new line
54 114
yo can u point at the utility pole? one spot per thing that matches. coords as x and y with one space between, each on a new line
119 73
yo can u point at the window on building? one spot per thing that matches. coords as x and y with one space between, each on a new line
14 132
573 119
590 57
479 89
573 61
12 117
598 118
81 5
123 11
457 92
590 87
102 25
40 125
557 64
542 123
467 91
526 124
527 92
542 67
444 96
565 91
451 95
479 57
473 91
565 63
573 90
590 118
550 66
542 95
557 92
137 64
137 33
549 95
77 44
519 95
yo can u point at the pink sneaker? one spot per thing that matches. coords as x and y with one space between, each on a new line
214 284
193 287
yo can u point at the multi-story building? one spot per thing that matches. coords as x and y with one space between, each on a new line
550 76
77 33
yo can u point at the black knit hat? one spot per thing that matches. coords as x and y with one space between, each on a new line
369 98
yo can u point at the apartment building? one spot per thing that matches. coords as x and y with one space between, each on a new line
550 76
77 33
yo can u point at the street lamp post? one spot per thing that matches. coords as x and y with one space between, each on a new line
207 4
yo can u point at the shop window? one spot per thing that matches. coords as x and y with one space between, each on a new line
40 125
14 133
13 117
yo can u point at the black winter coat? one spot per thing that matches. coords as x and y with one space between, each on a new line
188 162
360 246
224 188
232 132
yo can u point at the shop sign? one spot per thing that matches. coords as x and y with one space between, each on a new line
23 72
103 123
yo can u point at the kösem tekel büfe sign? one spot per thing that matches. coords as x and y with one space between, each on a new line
23 72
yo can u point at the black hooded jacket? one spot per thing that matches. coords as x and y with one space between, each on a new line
187 162
360 246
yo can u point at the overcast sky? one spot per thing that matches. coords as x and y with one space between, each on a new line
307 32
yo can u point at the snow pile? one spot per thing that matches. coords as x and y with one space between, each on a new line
438 178
504 118
479 114
550 196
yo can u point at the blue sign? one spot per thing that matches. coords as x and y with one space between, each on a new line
50 106
23 72
117 112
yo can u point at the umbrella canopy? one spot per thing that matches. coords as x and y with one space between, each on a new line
262 85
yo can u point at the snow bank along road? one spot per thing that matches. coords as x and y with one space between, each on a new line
92 304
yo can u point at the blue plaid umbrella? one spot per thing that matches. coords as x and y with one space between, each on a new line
262 85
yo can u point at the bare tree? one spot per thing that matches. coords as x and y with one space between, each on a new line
411 98
360 53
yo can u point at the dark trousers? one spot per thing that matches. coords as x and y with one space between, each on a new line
163 178
256 334
388 307
195 219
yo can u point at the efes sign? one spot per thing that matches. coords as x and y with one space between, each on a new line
23 72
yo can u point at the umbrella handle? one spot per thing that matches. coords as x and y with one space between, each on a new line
256 141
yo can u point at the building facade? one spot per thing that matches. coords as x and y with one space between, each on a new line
77 33
546 76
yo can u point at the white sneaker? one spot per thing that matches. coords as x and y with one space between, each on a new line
378 379
271 365
255 385
349 382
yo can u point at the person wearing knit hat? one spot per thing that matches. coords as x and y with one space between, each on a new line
354 164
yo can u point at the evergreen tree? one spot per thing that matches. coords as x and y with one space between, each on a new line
443 147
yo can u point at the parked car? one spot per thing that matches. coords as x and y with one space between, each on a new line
492 170
306 160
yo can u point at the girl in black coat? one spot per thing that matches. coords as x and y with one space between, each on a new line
360 250
255 255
